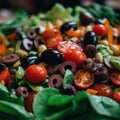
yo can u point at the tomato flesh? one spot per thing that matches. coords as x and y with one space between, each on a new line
83 79
116 96
115 78
35 74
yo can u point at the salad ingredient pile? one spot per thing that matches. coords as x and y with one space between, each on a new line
62 64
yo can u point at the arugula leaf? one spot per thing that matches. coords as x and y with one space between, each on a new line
68 78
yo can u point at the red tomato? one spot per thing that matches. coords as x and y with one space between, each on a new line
5 75
52 42
35 74
83 79
28 101
115 78
64 46
100 29
116 96
103 90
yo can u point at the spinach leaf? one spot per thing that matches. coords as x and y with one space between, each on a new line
68 78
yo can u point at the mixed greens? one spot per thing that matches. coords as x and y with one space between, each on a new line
66 100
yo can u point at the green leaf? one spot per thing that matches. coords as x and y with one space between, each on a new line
68 78
40 106
3 89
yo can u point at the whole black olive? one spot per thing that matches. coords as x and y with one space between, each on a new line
86 18
22 91
67 26
67 65
55 81
2 67
90 51
30 60
51 56
90 37
98 21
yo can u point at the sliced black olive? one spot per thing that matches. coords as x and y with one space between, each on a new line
37 42
53 68
86 18
107 62
51 56
10 58
90 51
70 90
27 44
90 37
67 26
31 34
88 64
30 60
101 74
55 81
2 67
67 65
22 91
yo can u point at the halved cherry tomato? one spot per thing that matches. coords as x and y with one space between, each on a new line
52 42
103 90
83 79
115 78
28 101
116 96
100 29
5 75
52 37
35 74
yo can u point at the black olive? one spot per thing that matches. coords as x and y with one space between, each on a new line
86 18
107 62
90 37
37 42
67 65
51 56
67 26
98 21
55 81
31 34
2 67
22 91
53 68
30 60
90 51
101 74
27 44
10 58
70 90
87 64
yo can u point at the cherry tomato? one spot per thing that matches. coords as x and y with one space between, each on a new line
116 96
64 46
100 29
5 75
35 74
103 90
28 101
52 37
72 51
52 42
115 78
83 79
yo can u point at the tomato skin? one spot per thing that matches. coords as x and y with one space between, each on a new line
103 90
115 78
76 56
28 101
83 79
35 74
5 75
116 96
100 29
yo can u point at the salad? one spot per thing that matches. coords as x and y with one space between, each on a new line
62 64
